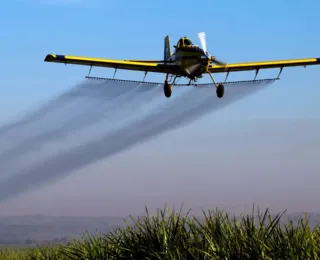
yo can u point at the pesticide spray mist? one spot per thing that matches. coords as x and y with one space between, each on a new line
95 121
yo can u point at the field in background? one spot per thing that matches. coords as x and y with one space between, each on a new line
178 235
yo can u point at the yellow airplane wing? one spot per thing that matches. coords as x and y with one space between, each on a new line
150 66
245 66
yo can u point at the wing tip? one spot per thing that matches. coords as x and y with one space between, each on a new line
50 57
54 57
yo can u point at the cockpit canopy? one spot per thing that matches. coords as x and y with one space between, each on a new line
183 42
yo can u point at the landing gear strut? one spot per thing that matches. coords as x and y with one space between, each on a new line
219 87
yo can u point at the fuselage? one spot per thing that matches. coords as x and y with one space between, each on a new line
187 55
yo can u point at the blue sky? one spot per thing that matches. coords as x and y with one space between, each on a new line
235 30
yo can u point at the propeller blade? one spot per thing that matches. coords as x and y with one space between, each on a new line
218 62
202 38
203 42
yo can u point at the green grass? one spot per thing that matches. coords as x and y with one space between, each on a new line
177 235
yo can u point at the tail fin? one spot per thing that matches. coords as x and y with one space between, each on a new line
167 51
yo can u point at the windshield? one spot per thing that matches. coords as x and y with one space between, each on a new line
184 42
187 42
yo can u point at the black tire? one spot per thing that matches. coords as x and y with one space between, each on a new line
220 91
167 90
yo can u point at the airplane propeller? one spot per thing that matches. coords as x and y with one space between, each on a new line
202 38
203 42
208 60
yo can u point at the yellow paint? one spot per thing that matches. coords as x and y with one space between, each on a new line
178 66
120 64
262 65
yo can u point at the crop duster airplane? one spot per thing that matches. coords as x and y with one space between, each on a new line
187 60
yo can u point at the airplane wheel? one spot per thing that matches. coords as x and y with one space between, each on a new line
167 89
220 91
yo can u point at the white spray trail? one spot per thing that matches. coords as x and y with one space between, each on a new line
75 131
170 113
74 108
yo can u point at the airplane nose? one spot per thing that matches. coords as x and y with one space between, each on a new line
204 59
